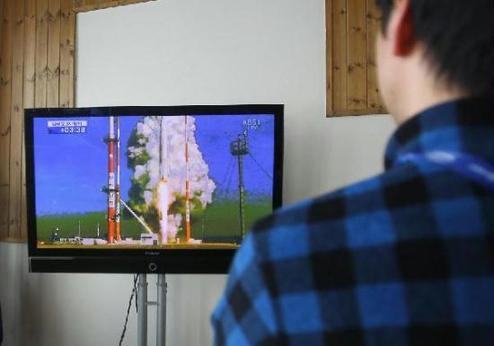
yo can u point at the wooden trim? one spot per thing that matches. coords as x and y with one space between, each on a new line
92 5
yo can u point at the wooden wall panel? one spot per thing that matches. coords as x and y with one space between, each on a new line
339 55
28 94
5 90
4 187
16 121
351 27
329 61
357 55
67 51
29 52
53 61
374 102
41 53
37 60
5 101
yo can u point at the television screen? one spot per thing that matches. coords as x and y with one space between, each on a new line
145 189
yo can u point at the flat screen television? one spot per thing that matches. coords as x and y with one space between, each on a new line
148 189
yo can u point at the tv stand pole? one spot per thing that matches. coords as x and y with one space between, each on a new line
142 316
161 311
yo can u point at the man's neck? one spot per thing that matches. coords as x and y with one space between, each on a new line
416 101
422 90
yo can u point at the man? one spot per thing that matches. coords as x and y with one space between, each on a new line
407 257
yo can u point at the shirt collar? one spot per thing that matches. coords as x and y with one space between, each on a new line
465 126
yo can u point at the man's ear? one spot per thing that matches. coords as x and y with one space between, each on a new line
405 32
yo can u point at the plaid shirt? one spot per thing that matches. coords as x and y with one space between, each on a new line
402 259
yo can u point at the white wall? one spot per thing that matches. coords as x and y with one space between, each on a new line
201 52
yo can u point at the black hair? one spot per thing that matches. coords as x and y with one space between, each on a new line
459 39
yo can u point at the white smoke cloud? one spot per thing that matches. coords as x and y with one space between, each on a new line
150 131
148 197
139 171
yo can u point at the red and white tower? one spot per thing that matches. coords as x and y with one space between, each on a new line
111 181
117 187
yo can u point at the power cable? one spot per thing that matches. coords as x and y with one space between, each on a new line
134 290
260 167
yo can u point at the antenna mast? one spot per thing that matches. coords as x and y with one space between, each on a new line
239 149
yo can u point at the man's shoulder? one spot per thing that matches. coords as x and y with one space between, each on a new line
330 221
367 196
404 207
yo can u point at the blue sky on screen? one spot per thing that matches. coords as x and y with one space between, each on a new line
71 169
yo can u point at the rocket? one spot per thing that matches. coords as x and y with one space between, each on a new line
163 189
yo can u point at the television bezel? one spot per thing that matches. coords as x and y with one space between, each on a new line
171 261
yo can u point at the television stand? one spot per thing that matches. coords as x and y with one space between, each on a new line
142 315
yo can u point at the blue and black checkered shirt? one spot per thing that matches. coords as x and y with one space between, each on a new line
405 258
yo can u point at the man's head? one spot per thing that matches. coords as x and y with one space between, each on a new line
430 51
